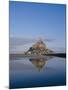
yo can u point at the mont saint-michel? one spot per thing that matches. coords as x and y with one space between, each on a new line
39 48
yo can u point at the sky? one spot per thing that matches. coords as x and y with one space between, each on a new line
29 21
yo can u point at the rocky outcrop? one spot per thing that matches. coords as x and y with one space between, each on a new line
39 48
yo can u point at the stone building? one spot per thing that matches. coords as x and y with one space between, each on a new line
39 48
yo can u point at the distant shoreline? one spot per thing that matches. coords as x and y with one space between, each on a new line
58 55
62 55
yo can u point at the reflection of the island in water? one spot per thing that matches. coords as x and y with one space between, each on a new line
37 71
39 63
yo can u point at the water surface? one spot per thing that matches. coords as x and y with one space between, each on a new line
37 72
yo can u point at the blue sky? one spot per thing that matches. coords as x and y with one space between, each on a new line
33 20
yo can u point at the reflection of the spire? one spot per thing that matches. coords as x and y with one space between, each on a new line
39 62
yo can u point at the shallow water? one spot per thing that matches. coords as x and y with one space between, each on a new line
37 72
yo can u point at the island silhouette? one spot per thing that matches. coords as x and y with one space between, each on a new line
39 49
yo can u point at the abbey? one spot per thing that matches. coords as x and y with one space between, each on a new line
39 48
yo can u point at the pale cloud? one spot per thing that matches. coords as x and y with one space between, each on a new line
20 44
